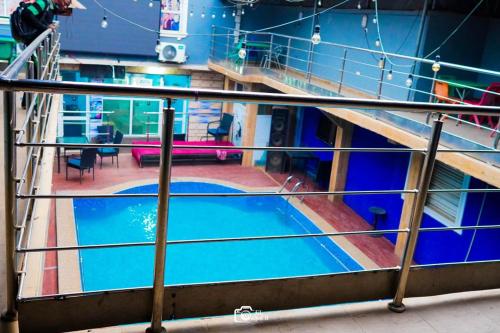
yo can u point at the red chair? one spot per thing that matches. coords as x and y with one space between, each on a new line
486 100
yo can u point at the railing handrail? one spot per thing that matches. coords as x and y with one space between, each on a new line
17 65
84 88
380 53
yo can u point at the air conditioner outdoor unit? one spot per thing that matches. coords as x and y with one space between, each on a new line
170 52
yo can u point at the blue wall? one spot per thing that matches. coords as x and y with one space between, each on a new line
82 31
387 171
398 30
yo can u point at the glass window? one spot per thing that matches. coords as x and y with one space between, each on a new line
145 117
173 17
117 114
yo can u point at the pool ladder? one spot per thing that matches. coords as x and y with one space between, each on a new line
295 187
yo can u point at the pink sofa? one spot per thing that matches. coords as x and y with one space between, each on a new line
152 155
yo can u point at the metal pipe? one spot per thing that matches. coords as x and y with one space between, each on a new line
472 227
381 79
9 109
213 240
342 70
209 195
417 213
167 135
84 88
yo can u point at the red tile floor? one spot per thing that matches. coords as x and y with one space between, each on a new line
339 215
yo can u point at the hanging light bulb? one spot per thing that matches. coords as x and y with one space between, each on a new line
377 43
242 53
381 63
243 11
375 20
224 15
251 5
389 76
203 14
409 81
358 73
151 4
213 16
104 22
359 5
436 66
316 37
158 48
301 15
233 14
191 13
320 3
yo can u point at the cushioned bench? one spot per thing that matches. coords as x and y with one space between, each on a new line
151 156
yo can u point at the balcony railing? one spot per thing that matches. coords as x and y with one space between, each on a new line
60 312
332 69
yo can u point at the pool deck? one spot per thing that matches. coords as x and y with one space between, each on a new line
369 251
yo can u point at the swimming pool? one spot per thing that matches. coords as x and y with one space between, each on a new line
106 221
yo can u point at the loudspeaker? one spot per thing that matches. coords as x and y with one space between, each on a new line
96 71
119 72
281 136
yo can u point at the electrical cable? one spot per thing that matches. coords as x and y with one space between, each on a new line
456 29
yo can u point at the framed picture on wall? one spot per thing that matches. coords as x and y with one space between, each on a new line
174 15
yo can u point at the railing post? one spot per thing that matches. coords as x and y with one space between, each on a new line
228 40
30 97
287 61
167 135
417 213
270 52
342 70
212 49
381 65
10 205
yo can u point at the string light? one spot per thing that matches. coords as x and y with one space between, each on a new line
374 20
316 37
213 16
233 14
224 15
389 75
191 13
436 66
203 14
381 63
319 3
377 43
243 11
409 81
151 4
359 5
242 53
104 22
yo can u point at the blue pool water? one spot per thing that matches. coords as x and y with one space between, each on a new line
104 221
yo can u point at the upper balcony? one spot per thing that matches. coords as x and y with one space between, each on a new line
295 65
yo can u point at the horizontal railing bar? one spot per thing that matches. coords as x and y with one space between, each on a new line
466 190
472 227
307 149
17 65
211 195
213 240
456 263
84 88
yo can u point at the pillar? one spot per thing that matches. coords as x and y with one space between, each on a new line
340 163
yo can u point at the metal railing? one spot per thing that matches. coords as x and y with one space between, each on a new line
332 69
161 302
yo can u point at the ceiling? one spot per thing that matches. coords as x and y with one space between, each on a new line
490 8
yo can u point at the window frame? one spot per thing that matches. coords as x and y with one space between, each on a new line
460 207
183 13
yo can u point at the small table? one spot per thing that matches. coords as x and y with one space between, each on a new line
298 155
378 213
463 86
71 140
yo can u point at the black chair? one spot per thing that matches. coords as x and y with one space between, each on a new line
106 152
86 161
223 129
104 134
